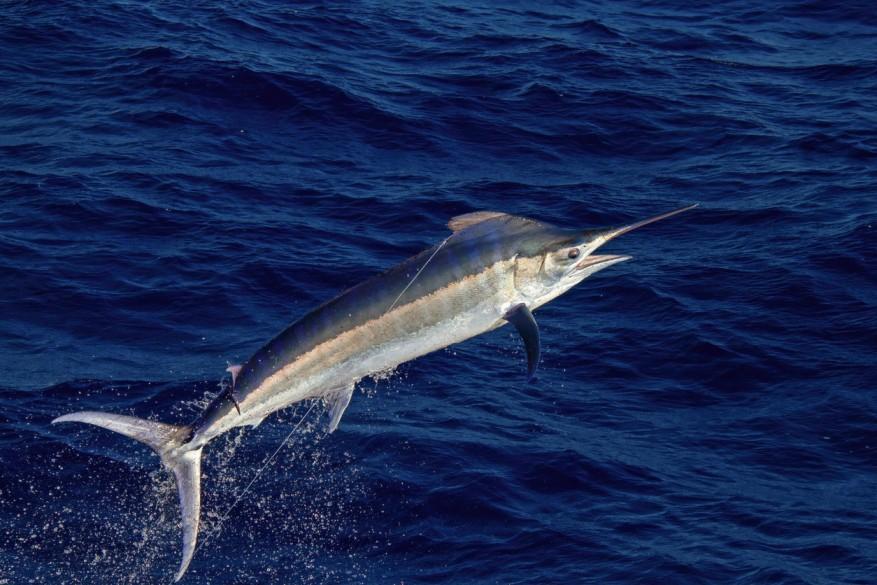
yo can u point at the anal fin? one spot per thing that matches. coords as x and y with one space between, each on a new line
338 402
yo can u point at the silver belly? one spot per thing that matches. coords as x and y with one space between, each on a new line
366 361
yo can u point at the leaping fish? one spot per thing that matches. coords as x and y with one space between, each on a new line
493 269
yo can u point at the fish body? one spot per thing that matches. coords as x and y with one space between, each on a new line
492 270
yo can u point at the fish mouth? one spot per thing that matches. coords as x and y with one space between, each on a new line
593 263
610 234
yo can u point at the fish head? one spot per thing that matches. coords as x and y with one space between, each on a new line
564 258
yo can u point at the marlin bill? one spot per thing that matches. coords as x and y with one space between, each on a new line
492 269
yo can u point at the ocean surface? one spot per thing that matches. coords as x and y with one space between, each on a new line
179 181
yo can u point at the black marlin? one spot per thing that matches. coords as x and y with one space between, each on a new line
493 269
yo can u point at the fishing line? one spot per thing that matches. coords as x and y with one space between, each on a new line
255 477
268 461
428 260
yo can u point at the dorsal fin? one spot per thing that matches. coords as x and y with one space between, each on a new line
461 222
234 370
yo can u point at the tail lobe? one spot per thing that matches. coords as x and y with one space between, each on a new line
187 471
165 440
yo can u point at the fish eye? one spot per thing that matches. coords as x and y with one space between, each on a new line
573 253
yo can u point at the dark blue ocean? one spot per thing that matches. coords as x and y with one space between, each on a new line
179 181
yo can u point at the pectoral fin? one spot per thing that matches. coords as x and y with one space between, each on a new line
523 320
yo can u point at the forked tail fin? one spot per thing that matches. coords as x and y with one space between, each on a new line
165 440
